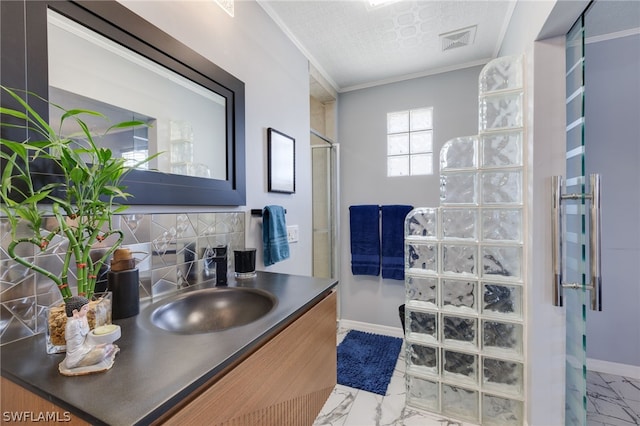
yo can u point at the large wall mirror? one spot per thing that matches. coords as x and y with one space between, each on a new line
100 56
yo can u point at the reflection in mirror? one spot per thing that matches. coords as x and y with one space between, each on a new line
187 122
134 144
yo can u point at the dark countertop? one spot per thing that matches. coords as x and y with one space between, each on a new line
156 369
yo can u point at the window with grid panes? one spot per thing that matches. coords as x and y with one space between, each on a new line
410 142
134 157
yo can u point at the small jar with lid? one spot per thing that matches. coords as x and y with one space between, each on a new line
124 282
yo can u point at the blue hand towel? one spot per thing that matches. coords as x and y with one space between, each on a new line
274 235
393 241
365 239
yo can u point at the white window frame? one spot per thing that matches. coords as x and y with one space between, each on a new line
134 156
410 142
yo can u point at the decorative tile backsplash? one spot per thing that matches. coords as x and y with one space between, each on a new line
168 248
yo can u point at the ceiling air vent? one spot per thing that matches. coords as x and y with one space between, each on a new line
458 38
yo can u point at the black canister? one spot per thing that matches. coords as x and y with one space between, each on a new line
124 284
245 263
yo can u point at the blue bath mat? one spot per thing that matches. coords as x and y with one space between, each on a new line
366 361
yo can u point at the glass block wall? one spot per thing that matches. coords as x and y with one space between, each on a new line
168 248
464 266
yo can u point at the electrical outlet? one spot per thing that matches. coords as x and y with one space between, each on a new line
292 233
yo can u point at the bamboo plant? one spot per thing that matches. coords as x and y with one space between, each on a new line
83 201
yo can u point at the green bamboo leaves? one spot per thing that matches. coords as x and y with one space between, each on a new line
83 199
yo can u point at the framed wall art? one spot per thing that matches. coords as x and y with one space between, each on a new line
282 162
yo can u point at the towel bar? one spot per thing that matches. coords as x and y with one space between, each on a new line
258 212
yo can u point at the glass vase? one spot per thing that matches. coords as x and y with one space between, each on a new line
99 314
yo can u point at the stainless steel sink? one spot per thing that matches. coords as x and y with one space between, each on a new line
212 309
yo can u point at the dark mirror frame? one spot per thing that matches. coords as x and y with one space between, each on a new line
23 42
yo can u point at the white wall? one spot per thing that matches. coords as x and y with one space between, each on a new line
545 345
362 137
276 76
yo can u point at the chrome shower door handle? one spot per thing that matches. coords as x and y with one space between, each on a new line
595 229
595 232
556 238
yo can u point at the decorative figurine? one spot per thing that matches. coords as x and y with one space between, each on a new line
82 356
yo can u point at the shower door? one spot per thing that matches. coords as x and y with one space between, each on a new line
602 92
571 281
576 256
324 154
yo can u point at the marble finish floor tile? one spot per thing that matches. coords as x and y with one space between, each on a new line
612 401
354 407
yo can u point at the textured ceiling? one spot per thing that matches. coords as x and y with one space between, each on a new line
354 45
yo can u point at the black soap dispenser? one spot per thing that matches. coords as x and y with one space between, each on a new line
124 284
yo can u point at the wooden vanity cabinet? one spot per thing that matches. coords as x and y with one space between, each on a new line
20 406
285 382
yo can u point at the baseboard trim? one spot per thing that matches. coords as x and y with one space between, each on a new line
630 371
372 328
